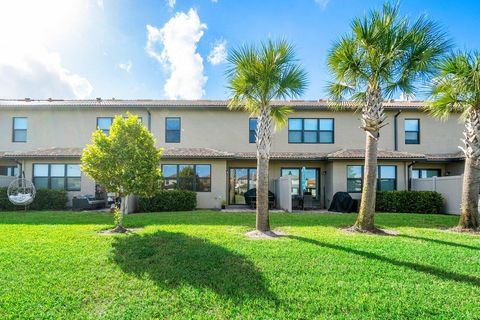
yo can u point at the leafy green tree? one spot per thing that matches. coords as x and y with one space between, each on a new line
257 76
126 161
383 55
457 90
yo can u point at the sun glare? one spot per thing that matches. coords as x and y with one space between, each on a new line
26 21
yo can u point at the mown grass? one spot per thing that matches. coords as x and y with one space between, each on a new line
200 265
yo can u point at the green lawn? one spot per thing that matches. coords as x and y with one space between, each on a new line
200 265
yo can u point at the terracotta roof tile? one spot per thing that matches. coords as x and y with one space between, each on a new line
208 153
382 154
196 153
46 153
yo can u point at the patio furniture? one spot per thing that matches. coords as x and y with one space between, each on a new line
342 202
251 198
87 202
307 201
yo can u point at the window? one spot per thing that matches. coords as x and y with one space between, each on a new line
310 130
425 173
8 171
57 176
104 124
252 127
172 130
19 129
386 178
354 178
412 131
195 177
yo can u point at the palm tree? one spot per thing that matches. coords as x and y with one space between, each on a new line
382 56
457 89
256 77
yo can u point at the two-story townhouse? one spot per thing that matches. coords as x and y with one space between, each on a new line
43 139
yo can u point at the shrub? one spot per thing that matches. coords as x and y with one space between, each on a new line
409 201
169 200
45 199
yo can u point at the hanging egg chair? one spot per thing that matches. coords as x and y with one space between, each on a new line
21 192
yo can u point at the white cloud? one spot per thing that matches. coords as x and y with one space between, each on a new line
174 46
28 68
171 3
38 73
100 4
126 66
322 3
218 54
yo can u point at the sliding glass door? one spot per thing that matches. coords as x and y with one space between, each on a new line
311 178
240 181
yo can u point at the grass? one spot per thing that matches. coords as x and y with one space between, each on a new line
200 265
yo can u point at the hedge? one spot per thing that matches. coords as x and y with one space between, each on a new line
409 201
169 200
45 199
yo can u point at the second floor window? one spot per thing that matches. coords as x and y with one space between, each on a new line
19 129
104 124
412 131
310 130
252 127
57 176
195 177
172 130
386 178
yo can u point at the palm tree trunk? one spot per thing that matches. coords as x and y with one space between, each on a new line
373 118
264 141
262 221
471 177
471 186
365 218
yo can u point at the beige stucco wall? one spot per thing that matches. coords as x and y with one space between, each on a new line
212 199
219 129
70 128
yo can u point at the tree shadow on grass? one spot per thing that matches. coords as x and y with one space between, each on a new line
443 242
175 259
434 271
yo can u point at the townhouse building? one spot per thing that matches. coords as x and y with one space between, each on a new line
43 140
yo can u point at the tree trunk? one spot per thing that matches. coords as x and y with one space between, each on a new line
262 223
264 134
471 177
365 218
471 186
373 118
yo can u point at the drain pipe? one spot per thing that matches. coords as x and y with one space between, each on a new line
395 125
149 120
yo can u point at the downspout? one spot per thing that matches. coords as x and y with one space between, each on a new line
149 120
21 173
409 186
395 125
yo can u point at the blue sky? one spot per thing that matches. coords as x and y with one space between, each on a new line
95 48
